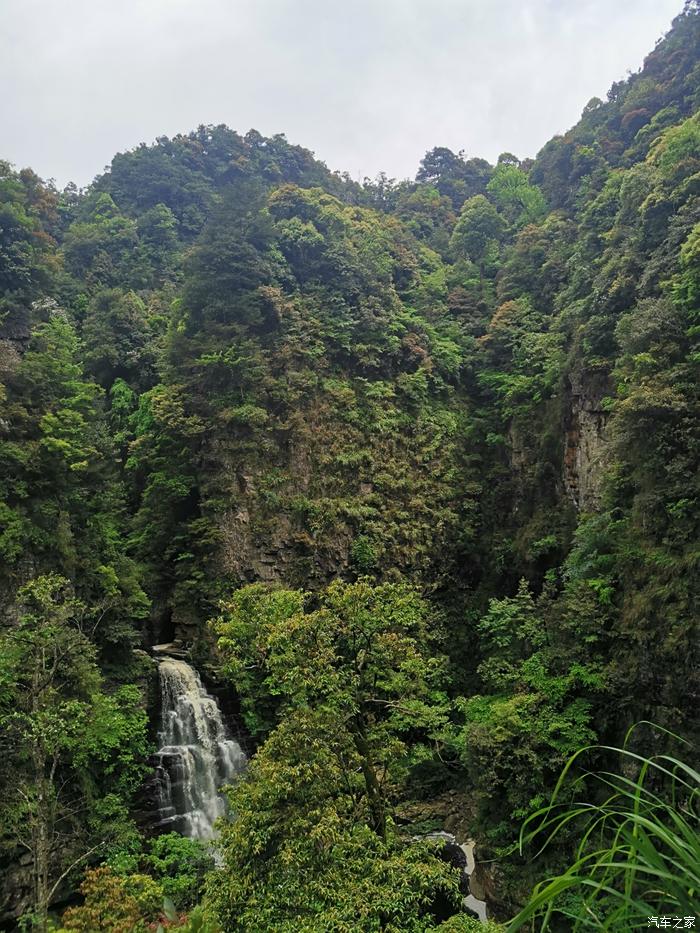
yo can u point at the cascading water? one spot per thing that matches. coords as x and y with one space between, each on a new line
197 755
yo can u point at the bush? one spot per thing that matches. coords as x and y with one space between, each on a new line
180 865
114 904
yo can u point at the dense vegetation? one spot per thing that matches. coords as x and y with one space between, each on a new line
639 849
414 467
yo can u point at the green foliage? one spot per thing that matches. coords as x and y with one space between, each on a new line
60 734
521 202
300 853
523 361
462 924
179 865
114 904
101 248
542 673
313 841
28 216
477 230
323 359
115 739
453 176
57 462
362 656
118 338
222 363
364 554
247 623
639 848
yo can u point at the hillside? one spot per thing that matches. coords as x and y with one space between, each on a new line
446 431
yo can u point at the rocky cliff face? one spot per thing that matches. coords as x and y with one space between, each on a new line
281 536
15 888
282 551
585 440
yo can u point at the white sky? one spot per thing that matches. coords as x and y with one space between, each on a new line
368 85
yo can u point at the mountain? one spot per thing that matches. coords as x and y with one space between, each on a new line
238 386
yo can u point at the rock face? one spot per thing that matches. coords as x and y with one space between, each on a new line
277 523
171 649
584 450
259 544
460 855
585 438
15 888
15 329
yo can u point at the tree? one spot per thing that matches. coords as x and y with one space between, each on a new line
60 734
507 158
454 176
363 654
359 701
27 218
102 247
520 201
158 239
118 339
60 496
536 709
477 232
180 865
114 904
299 852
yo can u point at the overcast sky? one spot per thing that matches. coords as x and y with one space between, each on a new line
368 85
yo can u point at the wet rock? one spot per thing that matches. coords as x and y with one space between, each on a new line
171 649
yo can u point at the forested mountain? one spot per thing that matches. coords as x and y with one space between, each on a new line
410 470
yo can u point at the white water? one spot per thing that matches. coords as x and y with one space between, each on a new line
197 755
470 900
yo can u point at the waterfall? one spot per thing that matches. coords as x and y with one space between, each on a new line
197 755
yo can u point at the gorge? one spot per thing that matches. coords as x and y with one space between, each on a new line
410 470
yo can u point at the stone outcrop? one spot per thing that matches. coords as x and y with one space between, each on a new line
459 855
487 883
585 437
15 888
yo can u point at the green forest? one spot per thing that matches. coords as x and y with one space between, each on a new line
409 474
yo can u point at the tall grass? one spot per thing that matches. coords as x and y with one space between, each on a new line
639 851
